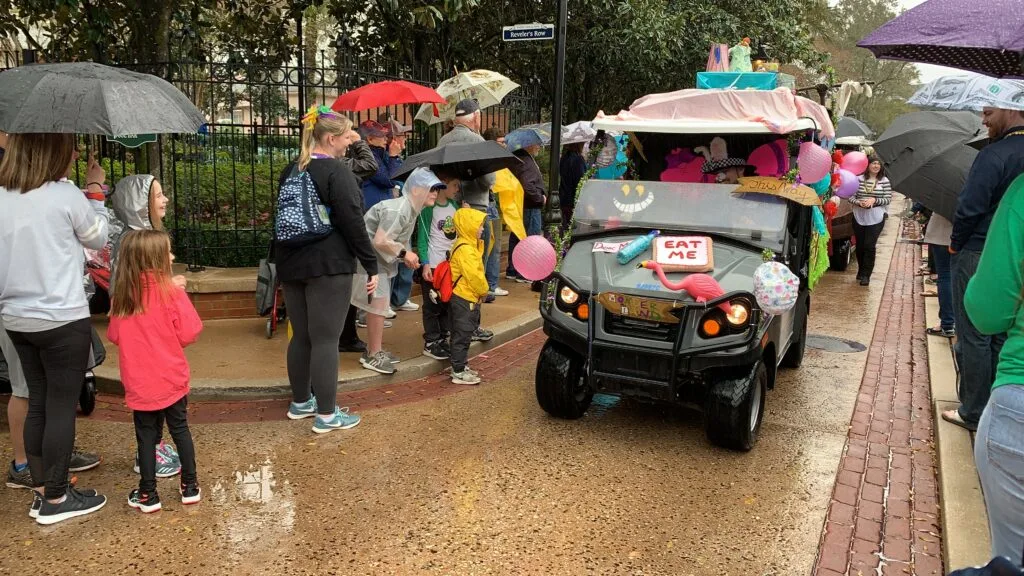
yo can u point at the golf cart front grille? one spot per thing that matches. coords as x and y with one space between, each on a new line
635 328
615 362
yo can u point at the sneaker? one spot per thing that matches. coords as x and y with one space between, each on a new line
409 306
356 345
169 453
190 493
471 371
436 350
510 276
75 504
303 410
165 467
521 280
933 331
379 362
37 501
82 461
499 292
465 377
481 335
392 358
146 502
489 299
362 324
390 313
341 420
17 479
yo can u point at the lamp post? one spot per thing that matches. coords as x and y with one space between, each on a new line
556 112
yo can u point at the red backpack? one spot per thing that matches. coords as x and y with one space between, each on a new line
443 283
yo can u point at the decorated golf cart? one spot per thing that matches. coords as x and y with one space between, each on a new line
688 280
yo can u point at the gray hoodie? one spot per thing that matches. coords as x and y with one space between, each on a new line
131 207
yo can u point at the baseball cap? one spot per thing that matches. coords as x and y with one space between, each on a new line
396 128
466 107
372 129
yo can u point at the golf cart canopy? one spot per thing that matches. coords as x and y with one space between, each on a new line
720 112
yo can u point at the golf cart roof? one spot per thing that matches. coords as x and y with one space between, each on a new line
778 111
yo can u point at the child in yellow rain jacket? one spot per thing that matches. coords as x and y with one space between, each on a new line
470 289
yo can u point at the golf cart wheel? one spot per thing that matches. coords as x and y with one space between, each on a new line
842 255
794 357
87 398
562 390
270 328
734 409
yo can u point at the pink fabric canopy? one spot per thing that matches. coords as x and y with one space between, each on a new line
777 109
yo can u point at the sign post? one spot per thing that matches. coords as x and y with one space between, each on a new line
556 111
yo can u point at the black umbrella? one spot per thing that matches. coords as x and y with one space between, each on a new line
851 127
927 157
468 160
88 98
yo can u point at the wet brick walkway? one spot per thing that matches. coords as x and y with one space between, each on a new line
884 516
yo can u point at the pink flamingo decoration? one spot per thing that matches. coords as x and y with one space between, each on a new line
701 286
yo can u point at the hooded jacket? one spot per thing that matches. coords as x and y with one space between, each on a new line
389 224
529 175
466 260
130 201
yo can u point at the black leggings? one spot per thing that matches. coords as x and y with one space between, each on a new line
867 244
316 308
149 427
54 363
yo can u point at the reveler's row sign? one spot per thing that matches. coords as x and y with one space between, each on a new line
521 32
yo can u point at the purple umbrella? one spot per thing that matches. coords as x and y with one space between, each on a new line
985 37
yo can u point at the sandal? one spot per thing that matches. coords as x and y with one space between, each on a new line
940 331
953 417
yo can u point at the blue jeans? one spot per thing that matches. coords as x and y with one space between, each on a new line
401 286
533 221
939 256
492 250
1000 460
976 354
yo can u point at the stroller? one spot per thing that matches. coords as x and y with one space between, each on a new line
268 293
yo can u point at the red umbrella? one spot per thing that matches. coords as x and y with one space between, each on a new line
383 94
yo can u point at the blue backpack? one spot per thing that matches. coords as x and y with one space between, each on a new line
302 217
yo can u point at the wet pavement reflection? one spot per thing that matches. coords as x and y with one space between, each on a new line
483 482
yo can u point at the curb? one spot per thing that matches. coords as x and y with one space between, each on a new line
215 390
965 537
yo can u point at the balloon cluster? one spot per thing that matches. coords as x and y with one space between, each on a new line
815 164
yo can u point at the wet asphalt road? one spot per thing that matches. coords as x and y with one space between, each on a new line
484 482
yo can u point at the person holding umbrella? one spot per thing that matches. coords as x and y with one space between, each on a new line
44 224
995 167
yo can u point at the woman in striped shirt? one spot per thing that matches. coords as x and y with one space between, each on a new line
869 207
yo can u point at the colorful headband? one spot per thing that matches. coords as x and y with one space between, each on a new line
315 113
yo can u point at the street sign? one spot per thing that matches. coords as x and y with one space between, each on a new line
521 32
133 140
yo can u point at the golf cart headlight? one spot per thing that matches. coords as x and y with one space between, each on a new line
568 296
739 314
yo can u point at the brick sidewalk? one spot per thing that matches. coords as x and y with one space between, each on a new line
884 516
492 365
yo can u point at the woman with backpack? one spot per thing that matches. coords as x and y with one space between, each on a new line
320 237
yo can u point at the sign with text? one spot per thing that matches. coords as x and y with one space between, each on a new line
640 308
684 253
133 140
521 32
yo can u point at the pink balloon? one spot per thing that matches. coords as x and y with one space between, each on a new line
856 162
534 258
813 161
848 184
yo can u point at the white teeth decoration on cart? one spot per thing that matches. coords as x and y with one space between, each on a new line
775 288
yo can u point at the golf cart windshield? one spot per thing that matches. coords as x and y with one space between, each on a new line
756 219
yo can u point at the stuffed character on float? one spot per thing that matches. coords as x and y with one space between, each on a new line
739 57
727 170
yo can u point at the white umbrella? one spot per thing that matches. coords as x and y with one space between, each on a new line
578 132
970 92
486 87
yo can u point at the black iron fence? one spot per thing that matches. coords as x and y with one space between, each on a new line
223 181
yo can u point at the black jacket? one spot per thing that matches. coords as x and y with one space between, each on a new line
996 166
337 253
528 174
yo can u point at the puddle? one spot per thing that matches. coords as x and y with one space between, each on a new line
601 404
257 505
833 344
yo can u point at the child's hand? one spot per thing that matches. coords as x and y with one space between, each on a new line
95 172
180 281
371 284
412 260
428 274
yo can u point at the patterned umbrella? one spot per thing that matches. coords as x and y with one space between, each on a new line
985 37
486 87
970 92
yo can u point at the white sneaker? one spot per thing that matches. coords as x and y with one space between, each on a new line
409 306
500 292
466 377
391 313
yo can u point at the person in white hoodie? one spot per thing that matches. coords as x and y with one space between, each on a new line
45 222
140 204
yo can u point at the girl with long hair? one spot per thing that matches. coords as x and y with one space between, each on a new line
152 320
869 207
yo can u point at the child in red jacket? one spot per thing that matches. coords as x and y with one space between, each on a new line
151 322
